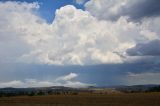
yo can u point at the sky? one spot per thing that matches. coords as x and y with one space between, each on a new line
79 43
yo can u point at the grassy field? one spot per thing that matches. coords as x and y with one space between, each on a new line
134 99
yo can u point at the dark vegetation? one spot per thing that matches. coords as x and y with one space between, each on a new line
60 90
139 88
63 96
8 92
154 89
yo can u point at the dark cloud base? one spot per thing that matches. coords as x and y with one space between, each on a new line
142 9
102 75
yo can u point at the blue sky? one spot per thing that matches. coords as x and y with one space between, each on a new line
48 7
89 43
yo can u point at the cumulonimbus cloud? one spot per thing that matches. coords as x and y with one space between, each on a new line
75 37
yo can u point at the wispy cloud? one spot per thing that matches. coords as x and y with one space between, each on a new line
80 1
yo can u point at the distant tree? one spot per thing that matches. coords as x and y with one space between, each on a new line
31 93
49 92
1 94
154 89
57 93
74 93
40 93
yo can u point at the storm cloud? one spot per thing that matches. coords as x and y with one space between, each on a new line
114 9
151 48
104 44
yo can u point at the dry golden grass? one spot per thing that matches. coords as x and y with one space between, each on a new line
134 99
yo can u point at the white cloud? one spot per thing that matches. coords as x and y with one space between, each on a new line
68 77
16 20
74 37
79 38
105 9
26 83
14 83
67 82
